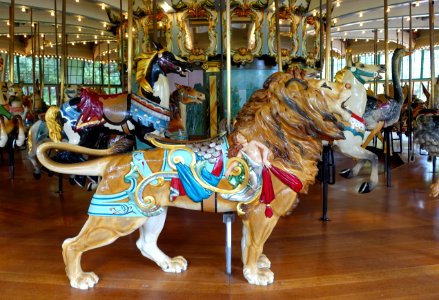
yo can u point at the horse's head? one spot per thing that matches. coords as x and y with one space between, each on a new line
187 94
170 63
366 72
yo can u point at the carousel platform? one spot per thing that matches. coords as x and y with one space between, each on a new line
381 245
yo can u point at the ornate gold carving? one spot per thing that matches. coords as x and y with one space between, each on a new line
247 15
196 16
288 34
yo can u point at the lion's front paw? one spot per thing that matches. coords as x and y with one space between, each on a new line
84 280
263 262
262 276
176 264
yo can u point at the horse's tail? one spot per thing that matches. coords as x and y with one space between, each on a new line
52 118
30 137
95 167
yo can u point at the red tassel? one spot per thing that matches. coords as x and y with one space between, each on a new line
268 211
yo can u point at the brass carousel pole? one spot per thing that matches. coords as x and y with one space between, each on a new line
409 104
279 50
43 51
386 47
432 71
154 20
321 37
108 66
375 59
11 40
63 51
33 56
228 67
58 101
328 41
121 42
130 46
40 62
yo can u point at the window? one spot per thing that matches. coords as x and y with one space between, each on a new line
75 69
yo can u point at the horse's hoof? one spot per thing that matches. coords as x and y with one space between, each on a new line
37 176
365 188
346 173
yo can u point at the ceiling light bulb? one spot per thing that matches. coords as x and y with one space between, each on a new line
23 9
79 19
361 14
103 6
79 29
52 13
77 36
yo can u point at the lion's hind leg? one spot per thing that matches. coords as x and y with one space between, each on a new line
147 244
96 232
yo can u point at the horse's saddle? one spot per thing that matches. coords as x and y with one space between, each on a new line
116 108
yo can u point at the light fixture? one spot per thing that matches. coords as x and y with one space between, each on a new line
79 18
96 37
108 41
105 25
103 6
59 35
388 9
42 35
77 36
345 33
338 28
23 9
417 3
52 13
79 29
361 24
335 21
102 33
7 23
25 35
363 32
337 4
73 43
77 1
360 14
83 42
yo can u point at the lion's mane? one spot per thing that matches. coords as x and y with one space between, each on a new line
291 117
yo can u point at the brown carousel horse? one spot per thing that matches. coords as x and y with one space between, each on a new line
287 119
182 96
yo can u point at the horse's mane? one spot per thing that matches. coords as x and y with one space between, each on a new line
55 130
143 62
90 106
291 117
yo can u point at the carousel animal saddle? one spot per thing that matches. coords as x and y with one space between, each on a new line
115 107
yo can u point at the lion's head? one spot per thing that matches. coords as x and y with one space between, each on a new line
292 116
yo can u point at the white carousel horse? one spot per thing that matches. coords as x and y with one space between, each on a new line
357 74
376 116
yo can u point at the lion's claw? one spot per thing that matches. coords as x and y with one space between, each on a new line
84 280
176 264
262 276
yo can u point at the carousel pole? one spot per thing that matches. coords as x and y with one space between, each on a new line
58 99
375 59
121 42
130 46
386 46
33 56
328 41
279 50
63 51
432 71
108 66
321 37
40 61
228 66
11 79
326 148
11 40
409 104
43 51
154 20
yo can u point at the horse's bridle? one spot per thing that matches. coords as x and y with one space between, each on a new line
357 72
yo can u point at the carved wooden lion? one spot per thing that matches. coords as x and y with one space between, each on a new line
289 117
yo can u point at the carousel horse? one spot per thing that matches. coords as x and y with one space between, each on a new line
289 116
87 120
12 114
134 114
182 96
356 75
368 115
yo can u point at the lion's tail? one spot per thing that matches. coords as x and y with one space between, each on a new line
95 167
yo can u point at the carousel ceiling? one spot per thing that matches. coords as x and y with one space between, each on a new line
88 23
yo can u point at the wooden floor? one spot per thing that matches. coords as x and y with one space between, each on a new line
382 245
